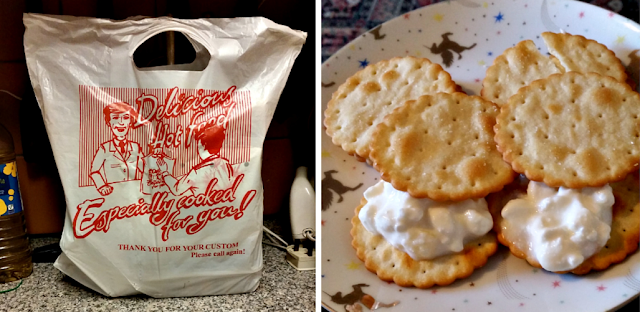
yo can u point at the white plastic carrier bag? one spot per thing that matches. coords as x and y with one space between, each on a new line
160 166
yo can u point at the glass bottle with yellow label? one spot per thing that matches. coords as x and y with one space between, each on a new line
15 252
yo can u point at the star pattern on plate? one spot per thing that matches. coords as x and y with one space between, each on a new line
353 265
556 284
620 39
581 15
601 287
325 154
363 63
438 17
499 17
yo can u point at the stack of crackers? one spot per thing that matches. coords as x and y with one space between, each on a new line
567 120
571 121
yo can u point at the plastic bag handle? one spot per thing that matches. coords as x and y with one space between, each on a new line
152 31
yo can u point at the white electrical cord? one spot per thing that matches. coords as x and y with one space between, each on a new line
269 233
13 95
309 234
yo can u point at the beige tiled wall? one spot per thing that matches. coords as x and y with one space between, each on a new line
40 187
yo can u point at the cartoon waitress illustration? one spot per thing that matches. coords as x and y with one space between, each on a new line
118 159
209 136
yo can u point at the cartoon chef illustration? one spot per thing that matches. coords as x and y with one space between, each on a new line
118 159
209 135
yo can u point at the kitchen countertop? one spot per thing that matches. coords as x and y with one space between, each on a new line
282 288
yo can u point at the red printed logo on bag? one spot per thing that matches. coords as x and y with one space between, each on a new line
169 149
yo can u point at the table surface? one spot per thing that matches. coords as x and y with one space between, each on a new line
282 288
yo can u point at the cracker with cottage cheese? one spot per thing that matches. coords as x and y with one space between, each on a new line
572 130
625 225
393 265
365 98
441 147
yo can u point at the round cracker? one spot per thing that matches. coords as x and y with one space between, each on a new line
366 97
441 147
515 68
625 225
393 265
571 130
577 53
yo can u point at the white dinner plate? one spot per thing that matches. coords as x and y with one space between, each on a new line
506 283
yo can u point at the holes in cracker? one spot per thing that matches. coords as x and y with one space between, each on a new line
546 136
513 118
449 142
546 116
575 174
444 167
454 119
541 167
